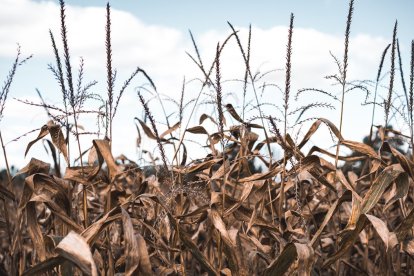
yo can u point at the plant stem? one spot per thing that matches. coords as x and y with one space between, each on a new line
343 74
84 192
6 209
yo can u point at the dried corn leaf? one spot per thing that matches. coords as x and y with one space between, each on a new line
233 113
253 217
157 237
34 166
406 226
408 247
348 238
203 117
184 158
247 189
43 267
202 166
197 130
43 132
303 252
57 210
332 155
147 130
315 127
314 161
193 248
224 169
245 214
389 238
58 139
34 231
132 257
81 174
75 249
406 163
134 253
291 147
341 177
138 141
332 210
384 179
306 257
361 148
229 243
238 261
402 185
145 264
185 239
95 229
220 226
262 176
5 193
47 185
170 130
93 158
262 248
103 149
355 213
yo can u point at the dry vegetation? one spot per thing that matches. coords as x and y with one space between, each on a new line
317 213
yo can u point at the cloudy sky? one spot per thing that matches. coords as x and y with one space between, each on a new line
154 36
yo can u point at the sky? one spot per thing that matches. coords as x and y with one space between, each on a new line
154 36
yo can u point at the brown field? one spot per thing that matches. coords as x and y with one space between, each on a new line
309 213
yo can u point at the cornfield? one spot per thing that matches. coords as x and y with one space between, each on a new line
236 211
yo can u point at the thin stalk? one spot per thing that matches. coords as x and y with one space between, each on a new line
220 120
84 192
71 95
246 61
402 76
183 272
376 89
408 95
388 101
286 107
246 73
411 98
110 79
109 106
343 74
5 207
207 81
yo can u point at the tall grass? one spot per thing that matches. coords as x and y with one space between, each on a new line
304 214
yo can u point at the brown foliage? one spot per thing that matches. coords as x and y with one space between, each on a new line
218 215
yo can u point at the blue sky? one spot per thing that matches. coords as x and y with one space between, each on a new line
371 16
154 36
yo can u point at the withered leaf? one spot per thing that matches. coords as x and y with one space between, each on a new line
57 138
104 151
303 252
137 260
384 179
197 130
389 238
147 130
34 166
75 249
170 130
233 113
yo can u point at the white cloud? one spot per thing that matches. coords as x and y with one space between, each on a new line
161 50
